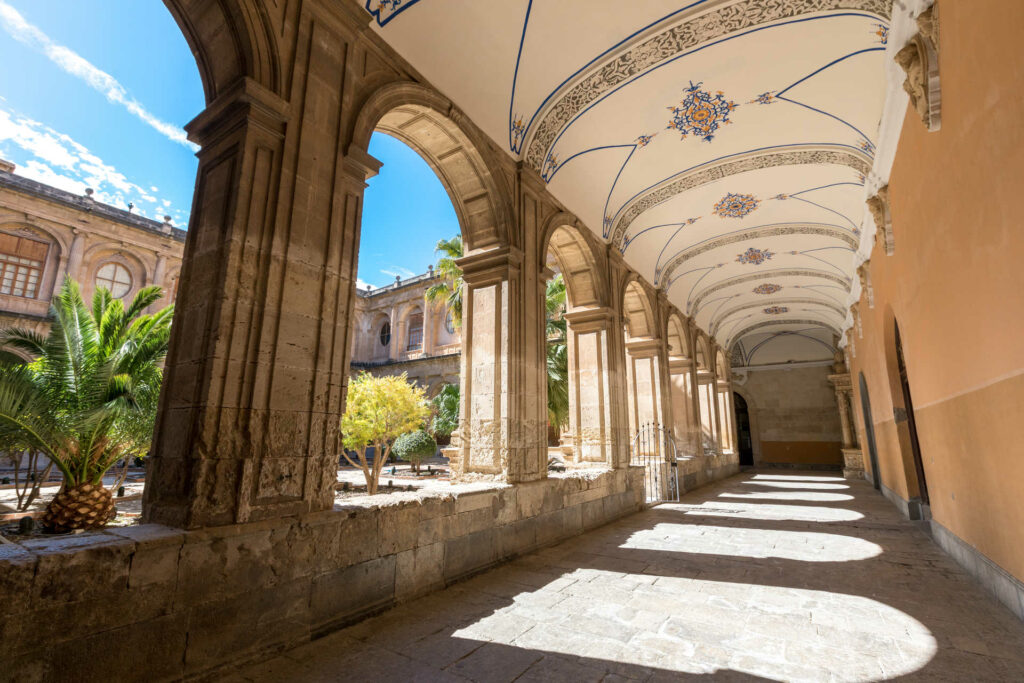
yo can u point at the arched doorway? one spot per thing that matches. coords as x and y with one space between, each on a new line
869 432
915 446
744 437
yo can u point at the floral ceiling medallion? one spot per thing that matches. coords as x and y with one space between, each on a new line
700 113
776 310
736 205
754 257
767 289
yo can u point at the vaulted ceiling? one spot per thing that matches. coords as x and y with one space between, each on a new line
720 145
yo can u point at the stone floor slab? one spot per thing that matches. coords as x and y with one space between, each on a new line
765 576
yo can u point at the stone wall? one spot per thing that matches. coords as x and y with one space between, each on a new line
159 603
793 416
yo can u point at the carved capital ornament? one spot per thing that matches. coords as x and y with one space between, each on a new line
920 60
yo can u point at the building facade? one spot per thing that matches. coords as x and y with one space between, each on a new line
397 330
47 233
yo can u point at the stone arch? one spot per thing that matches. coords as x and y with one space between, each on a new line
678 345
584 282
454 148
231 40
637 310
702 354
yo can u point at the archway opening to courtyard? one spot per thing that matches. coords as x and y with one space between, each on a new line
706 399
681 386
580 349
643 361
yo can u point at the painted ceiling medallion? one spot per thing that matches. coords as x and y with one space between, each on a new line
754 256
700 113
767 289
736 205
776 310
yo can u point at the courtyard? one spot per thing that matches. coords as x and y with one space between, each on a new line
767 575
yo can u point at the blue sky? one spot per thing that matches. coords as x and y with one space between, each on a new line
94 93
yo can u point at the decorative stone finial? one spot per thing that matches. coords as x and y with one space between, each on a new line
166 227
88 193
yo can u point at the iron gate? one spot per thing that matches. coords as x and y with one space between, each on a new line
655 450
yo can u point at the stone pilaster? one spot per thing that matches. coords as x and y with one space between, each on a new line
256 373
598 419
503 421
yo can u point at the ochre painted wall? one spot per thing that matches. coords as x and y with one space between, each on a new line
955 285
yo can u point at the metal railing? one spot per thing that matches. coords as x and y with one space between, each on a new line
655 450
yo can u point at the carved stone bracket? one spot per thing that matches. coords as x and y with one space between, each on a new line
879 208
920 60
864 273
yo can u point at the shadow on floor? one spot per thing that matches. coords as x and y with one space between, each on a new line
740 588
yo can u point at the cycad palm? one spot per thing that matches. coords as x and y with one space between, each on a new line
92 382
449 288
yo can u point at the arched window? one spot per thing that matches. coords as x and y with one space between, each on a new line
385 334
449 324
415 332
114 277
21 263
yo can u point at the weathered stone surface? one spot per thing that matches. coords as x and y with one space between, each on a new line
238 592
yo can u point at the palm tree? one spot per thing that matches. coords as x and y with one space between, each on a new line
449 288
87 397
557 353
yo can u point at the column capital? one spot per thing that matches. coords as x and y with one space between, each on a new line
245 101
492 265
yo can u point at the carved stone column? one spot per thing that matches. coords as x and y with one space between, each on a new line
853 457
503 421
598 419
257 368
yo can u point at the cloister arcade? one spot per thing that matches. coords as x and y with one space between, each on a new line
680 263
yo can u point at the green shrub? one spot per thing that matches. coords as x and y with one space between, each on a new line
414 447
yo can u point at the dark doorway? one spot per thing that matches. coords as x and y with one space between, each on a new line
746 444
869 430
915 446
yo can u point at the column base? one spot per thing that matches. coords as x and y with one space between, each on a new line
853 463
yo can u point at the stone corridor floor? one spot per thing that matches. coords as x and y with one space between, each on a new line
765 576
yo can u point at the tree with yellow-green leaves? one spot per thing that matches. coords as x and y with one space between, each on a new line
379 410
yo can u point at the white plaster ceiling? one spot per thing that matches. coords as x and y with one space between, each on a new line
642 117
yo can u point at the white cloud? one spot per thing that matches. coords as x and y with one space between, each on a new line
76 65
60 161
361 284
398 271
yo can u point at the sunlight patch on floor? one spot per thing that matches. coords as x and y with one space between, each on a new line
805 546
812 496
766 511
802 485
689 625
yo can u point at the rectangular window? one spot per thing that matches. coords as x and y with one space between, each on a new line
415 333
21 265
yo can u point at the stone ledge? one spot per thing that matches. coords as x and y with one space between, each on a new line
224 595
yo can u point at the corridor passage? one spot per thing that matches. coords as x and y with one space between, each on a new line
767 575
